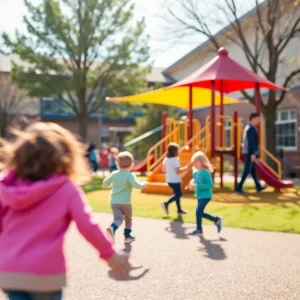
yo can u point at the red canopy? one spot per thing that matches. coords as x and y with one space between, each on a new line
222 68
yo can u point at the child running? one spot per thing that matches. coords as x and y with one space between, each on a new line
202 184
38 201
171 166
122 181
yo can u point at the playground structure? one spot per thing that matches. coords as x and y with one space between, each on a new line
223 75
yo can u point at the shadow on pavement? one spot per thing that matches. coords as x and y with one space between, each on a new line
176 227
131 277
128 249
212 250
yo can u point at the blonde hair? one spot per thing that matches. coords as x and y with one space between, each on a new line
124 160
201 156
44 149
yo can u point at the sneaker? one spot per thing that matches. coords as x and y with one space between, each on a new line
129 239
219 224
241 193
262 188
110 234
196 233
182 212
164 206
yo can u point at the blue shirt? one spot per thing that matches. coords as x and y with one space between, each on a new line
204 184
122 182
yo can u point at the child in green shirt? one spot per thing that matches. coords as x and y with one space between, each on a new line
122 181
202 184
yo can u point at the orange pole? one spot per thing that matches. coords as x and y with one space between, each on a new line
164 129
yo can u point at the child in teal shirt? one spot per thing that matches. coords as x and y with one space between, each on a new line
202 184
122 181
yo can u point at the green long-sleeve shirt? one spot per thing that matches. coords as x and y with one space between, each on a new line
122 182
204 184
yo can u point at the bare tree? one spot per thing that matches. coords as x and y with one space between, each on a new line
264 35
12 104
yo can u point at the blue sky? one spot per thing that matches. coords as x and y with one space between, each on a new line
12 12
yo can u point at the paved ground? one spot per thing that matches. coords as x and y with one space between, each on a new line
166 264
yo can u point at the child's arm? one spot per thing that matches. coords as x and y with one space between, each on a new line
107 182
207 182
1 216
182 169
81 213
135 182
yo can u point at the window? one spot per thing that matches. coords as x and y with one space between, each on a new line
286 129
227 128
47 105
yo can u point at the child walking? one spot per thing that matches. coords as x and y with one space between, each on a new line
122 182
38 200
171 166
202 184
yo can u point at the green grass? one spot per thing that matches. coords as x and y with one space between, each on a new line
94 185
266 211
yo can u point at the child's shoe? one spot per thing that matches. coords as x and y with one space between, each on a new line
181 212
219 224
196 233
128 237
164 206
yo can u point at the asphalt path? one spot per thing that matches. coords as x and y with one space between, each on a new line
167 264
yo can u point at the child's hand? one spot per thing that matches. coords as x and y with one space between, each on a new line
119 265
192 186
105 186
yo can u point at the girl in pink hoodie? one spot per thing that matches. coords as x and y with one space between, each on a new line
38 200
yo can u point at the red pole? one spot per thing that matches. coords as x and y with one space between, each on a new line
212 118
164 128
257 104
222 132
190 114
236 158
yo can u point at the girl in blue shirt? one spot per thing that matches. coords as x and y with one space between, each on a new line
202 184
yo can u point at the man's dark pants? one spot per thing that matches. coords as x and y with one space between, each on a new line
249 168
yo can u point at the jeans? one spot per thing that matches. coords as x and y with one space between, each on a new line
249 168
94 166
176 187
201 214
34 296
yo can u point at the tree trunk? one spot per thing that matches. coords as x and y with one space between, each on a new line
83 121
269 113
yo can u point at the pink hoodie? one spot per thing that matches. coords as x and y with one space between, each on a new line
34 217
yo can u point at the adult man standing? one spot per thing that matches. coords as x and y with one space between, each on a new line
250 150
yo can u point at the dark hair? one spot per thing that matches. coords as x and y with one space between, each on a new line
173 149
253 116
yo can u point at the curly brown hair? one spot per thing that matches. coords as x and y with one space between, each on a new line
173 150
44 149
